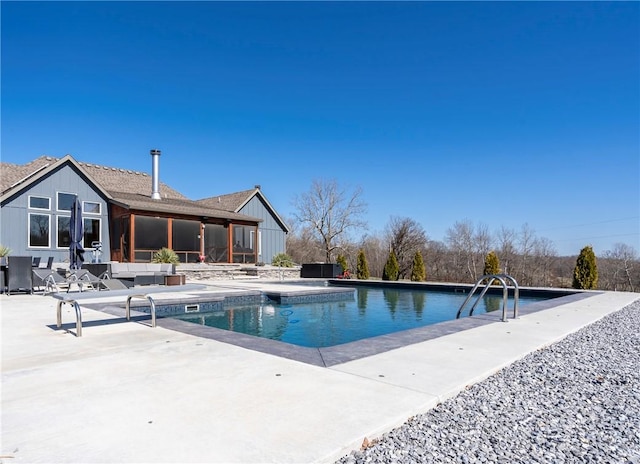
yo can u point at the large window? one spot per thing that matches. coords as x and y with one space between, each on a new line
65 201
64 237
91 231
39 230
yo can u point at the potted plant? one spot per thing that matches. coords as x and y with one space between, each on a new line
165 255
4 252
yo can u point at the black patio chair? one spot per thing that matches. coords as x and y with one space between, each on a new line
49 262
36 261
19 274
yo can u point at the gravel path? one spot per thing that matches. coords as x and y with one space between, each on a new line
577 401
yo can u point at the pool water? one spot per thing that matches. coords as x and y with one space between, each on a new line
371 312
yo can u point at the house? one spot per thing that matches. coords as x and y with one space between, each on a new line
130 215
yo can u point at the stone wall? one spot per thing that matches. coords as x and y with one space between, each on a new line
195 272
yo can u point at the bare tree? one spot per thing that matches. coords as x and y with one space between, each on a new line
331 212
505 242
526 243
436 260
459 239
544 256
618 266
468 245
405 237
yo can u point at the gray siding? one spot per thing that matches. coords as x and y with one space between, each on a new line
14 217
273 237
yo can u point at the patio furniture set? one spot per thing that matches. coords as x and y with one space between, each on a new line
24 274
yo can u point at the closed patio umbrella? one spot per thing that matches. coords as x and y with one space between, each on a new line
76 231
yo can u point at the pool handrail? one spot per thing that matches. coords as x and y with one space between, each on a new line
151 302
505 294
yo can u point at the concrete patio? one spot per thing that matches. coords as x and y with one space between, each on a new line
125 392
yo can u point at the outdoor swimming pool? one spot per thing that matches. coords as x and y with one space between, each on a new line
370 312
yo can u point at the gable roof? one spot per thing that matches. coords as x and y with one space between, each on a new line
126 188
236 201
108 178
16 177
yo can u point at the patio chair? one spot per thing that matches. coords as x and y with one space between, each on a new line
36 261
50 281
49 262
19 277
86 280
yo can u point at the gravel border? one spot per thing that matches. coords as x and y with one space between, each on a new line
576 401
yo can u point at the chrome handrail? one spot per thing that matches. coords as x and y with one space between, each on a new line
75 305
505 294
151 302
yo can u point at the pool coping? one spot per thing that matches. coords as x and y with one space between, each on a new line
339 354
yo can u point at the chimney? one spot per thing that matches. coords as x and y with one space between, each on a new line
155 182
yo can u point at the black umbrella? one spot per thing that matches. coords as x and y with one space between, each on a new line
76 231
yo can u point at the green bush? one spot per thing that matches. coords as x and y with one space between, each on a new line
418 271
282 260
362 271
165 255
342 261
491 265
391 268
585 274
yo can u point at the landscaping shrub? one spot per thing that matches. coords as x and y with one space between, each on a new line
585 274
362 271
282 260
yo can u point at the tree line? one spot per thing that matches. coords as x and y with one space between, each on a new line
329 217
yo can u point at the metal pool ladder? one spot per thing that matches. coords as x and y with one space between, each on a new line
490 279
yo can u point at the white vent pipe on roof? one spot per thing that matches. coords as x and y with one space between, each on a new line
155 174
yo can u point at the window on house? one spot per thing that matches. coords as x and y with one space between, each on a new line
39 203
39 230
64 238
91 231
65 201
91 207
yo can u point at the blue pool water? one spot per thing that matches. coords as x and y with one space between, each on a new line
371 312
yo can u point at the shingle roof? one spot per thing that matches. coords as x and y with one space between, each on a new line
128 188
11 174
110 179
176 206
230 201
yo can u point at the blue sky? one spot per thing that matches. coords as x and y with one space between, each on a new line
500 113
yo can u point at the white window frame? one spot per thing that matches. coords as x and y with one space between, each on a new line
58 216
39 209
88 245
84 209
39 247
58 201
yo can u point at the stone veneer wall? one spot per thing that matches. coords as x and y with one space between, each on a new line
197 272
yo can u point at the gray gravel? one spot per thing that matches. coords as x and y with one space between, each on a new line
577 401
